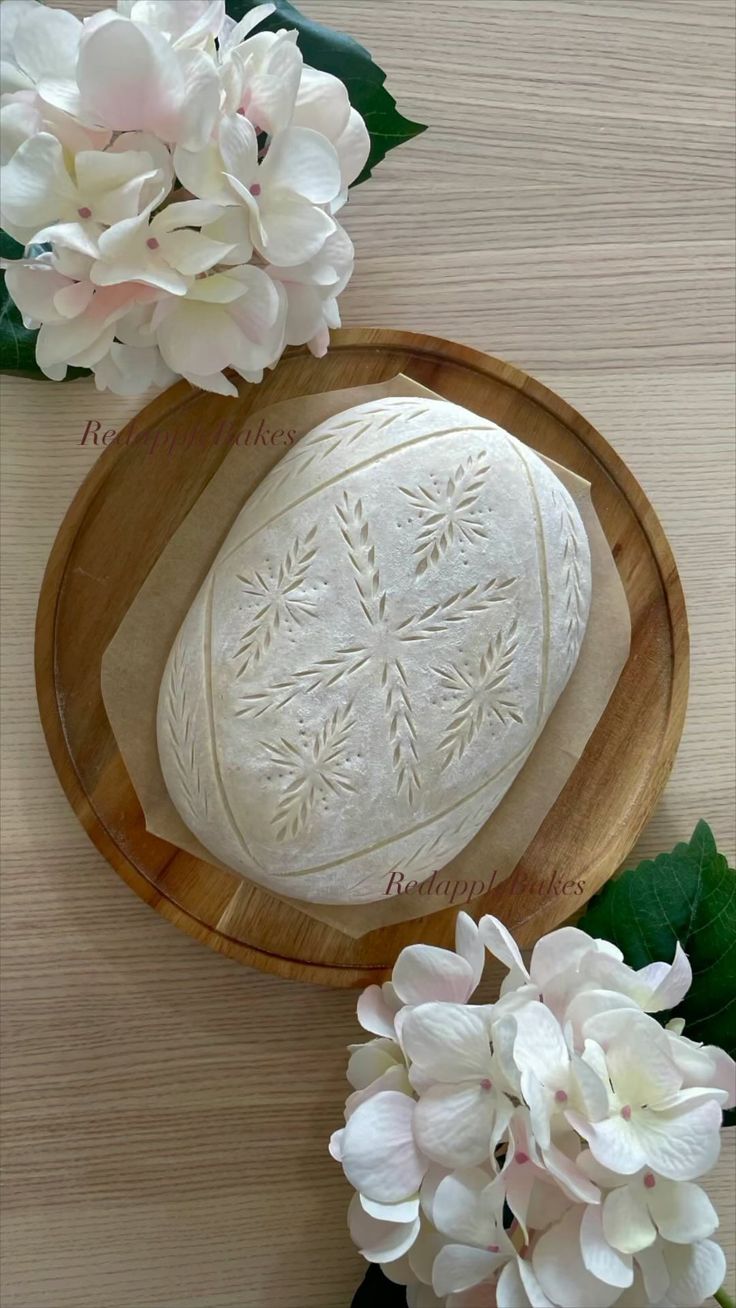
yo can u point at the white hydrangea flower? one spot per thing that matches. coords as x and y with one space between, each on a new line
542 1151
191 163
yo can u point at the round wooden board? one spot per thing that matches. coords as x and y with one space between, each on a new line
126 511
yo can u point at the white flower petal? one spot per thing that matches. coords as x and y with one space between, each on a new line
353 147
290 228
454 1124
423 973
559 1268
614 1143
190 253
680 1145
626 1221
569 1176
681 1211
35 183
201 172
463 1208
600 1258
374 1013
18 121
558 952
46 42
424 1251
394 1078
33 287
540 1046
379 1242
468 942
499 942
653 1269
380 1156
449 1040
696 1272
335 1145
371 1060
302 161
459 1267
405 1211
239 148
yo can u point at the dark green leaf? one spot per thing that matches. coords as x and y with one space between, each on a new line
688 895
339 54
17 342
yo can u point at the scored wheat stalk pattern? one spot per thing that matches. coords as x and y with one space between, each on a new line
279 600
312 772
180 729
448 512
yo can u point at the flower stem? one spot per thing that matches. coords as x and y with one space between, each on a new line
724 1299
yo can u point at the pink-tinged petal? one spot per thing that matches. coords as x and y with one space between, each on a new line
423 973
304 162
198 338
600 1258
453 1124
129 78
379 1242
459 1267
499 942
681 1211
291 229
380 1155
374 1013
468 942
73 299
558 952
559 1268
448 1040
626 1222
697 1271
680 1145
464 1210
394 1078
371 1060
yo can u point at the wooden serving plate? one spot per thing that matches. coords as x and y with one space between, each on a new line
126 511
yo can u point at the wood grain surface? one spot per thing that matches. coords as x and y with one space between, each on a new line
129 508
166 1111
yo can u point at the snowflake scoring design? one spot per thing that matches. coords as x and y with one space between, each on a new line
312 772
383 646
480 693
449 511
280 598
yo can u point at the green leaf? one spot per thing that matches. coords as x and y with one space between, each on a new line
688 895
18 342
339 54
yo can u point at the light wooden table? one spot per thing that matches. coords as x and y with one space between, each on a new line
166 1112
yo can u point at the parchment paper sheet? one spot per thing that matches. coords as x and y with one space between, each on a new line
133 665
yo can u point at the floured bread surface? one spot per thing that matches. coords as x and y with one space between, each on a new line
375 650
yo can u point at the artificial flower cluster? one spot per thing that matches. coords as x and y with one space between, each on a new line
542 1150
184 173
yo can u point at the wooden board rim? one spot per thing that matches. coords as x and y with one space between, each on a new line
178 397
